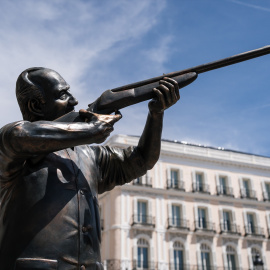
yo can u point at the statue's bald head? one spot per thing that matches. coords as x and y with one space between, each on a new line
31 85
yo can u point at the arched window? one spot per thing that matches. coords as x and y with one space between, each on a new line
142 254
178 256
205 257
231 258
254 252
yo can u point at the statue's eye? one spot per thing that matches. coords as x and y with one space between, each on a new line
63 95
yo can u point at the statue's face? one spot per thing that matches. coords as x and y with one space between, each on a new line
59 100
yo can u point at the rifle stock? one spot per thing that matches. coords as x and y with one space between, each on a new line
121 97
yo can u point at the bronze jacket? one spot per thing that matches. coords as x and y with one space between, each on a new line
49 217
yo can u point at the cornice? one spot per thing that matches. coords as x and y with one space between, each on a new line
205 154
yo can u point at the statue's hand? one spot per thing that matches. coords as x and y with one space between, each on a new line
167 94
100 125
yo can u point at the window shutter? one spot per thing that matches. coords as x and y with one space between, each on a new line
234 217
171 256
265 194
150 210
240 184
181 177
221 215
135 206
205 180
193 175
217 181
229 181
170 209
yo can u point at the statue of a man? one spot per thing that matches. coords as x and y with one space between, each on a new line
50 178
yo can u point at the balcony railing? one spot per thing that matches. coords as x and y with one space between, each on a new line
145 220
200 188
175 184
248 194
225 191
201 225
229 228
254 231
139 181
149 265
143 265
178 223
266 196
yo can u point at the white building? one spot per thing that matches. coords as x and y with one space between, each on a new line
198 208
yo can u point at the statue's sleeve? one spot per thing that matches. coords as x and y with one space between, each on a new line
10 163
118 166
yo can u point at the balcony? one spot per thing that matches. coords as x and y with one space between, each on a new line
200 188
225 191
139 181
201 225
143 265
177 223
175 184
144 220
266 196
254 231
226 228
248 194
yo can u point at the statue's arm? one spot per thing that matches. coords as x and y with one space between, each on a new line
149 144
41 137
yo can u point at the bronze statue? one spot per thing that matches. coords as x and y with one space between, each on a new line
50 178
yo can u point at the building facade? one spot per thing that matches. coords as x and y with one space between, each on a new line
198 208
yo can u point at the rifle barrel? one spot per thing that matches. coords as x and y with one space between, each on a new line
202 68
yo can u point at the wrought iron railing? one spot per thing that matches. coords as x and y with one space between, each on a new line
150 265
178 223
143 265
196 187
175 184
201 225
254 231
229 228
225 191
146 220
248 194
266 196
146 183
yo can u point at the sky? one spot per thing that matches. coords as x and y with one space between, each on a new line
98 45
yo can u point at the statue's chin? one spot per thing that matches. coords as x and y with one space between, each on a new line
69 109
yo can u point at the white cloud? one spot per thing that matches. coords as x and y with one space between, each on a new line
251 5
73 37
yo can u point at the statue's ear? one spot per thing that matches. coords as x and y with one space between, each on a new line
34 107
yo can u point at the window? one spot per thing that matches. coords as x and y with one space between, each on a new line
174 178
267 191
178 256
142 254
231 258
142 212
227 218
202 218
176 215
246 186
223 185
250 223
138 181
199 181
205 257
254 252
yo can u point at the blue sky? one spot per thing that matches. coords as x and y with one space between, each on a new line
97 45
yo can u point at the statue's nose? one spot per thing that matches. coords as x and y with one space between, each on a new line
72 101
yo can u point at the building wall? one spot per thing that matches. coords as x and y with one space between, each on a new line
119 208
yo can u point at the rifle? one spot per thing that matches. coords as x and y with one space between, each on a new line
115 99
